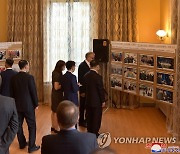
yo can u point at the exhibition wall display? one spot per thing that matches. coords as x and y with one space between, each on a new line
10 50
147 70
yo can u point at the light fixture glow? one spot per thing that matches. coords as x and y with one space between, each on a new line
161 34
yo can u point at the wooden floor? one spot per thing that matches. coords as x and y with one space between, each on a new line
142 122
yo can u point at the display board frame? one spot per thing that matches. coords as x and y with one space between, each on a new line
157 61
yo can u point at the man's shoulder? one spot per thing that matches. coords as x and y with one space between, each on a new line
82 64
49 138
88 136
7 100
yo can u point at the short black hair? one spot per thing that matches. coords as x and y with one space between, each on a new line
9 62
67 114
70 64
94 63
22 63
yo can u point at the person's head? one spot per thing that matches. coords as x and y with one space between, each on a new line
70 65
67 114
95 65
60 66
24 65
9 62
90 56
106 150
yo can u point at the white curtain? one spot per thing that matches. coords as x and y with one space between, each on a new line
67 33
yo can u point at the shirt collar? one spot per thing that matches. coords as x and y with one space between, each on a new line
88 63
94 70
9 68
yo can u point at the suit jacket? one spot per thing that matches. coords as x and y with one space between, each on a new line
82 70
6 78
69 142
95 93
8 123
70 87
23 90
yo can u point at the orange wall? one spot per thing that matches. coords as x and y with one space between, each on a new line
148 18
165 18
151 16
3 20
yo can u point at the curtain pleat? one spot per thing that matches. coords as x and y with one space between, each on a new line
116 20
25 25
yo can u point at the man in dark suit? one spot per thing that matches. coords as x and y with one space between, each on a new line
68 140
23 90
83 68
69 83
95 98
8 123
5 78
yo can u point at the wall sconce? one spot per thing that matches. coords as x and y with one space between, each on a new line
161 34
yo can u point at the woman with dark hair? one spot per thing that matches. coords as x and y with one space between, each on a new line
57 93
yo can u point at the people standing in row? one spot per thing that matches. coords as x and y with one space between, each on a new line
95 98
8 123
69 84
83 68
68 140
23 90
57 93
5 78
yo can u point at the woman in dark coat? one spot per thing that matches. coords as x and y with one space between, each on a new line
57 93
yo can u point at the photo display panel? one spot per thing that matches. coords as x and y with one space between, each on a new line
147 70
10 50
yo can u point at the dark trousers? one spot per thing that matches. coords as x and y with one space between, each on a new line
82 109
31 122
94 116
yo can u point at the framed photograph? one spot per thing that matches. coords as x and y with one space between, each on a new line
130 86
130 72
130 58
2 68
116 82
164 95
116 57
146 75
146 90
2 55
15 54
165 62
147 60
116 69
165 79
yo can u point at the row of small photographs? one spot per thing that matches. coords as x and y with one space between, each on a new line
15 54
144 90
144 75
145 60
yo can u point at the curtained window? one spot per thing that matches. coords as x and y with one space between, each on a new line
68 33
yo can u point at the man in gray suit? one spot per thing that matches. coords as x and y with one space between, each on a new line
8 123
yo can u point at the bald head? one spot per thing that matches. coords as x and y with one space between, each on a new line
67 114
